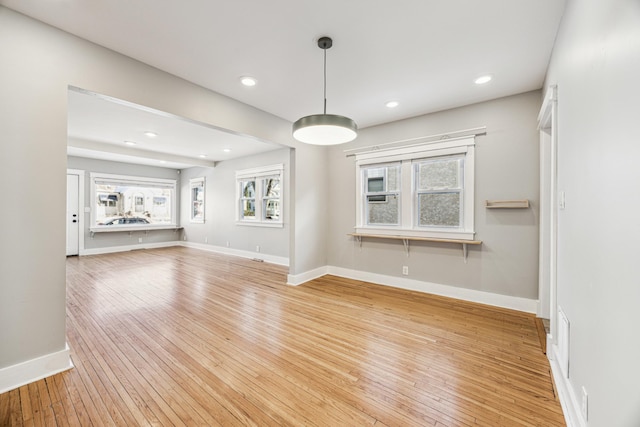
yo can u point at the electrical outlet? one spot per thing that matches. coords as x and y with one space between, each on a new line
206 240
257 248
405 270
562 202
139 239
227 243
585 404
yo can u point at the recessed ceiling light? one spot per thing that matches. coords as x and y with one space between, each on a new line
130 143
163 161
202 156
483 79
248 81
392 104
227 150
150 134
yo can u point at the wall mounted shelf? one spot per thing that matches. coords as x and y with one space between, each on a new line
506 204
407 239
131 230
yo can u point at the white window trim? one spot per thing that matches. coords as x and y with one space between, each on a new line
194 183
406 155
256 174
170 183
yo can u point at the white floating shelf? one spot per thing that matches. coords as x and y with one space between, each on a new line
407 239
506 204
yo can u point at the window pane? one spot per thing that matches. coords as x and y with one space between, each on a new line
375 184
248 208
272 187
439 174
383 211
272 210
393 178
439 209
248 189
152 205
382 179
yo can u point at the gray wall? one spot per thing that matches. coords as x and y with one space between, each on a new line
106 240
38 64
596 64
220 224
312 207
506 168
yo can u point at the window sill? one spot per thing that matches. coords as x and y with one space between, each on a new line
260 224
406 239
115 229
400 233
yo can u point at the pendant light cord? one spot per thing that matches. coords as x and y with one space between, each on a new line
325 81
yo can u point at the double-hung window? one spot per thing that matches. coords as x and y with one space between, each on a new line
382 194
422 190
439 191
259 196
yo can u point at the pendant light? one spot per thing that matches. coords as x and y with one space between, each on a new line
325 129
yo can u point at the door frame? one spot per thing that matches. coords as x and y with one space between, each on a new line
81 208
547 277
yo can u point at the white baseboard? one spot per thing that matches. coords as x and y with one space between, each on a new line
497 300
298 279
114 249
567 396
273 259
36 369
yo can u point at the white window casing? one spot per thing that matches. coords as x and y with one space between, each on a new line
407 157
267 208
197 200
117 201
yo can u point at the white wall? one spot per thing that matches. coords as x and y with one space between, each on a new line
220 203
506 168
38 64
596 64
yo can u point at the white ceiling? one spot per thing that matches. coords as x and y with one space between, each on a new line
423 53
99 127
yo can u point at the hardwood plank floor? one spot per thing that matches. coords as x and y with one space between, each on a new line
179 336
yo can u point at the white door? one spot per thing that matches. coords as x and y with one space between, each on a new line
73 214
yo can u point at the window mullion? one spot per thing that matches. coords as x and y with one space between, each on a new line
406 194
259 196
468 195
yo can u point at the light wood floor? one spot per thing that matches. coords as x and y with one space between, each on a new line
179 336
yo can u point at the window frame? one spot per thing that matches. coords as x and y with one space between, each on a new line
197 187
408 156
170 184
259 175
243 199
385 192
417 192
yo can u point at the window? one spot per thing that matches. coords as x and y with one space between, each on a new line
422 190
196 186
132 202
260 196
248 199
271 199
382 194
439 191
